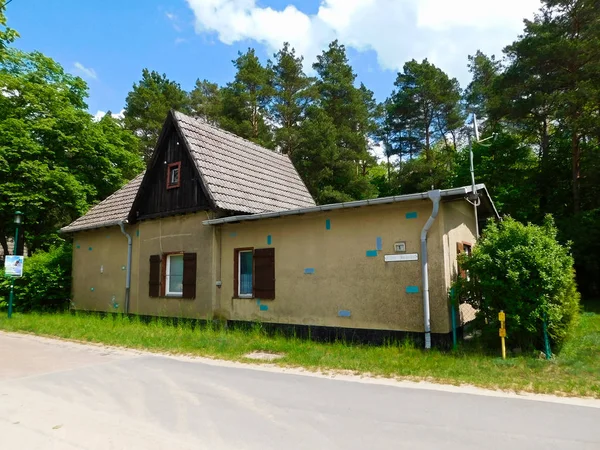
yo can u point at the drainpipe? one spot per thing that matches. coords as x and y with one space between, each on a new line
128 274
435 198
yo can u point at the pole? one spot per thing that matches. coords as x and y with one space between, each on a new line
10 297
546 340
502 319
453 310
12 281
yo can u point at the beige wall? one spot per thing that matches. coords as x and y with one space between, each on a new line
459 226
109 251
345 278
175 234
99 263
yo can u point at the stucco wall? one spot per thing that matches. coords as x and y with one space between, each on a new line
99 262
344 278
96 291
175 234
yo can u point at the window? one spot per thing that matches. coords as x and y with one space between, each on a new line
174 175
172 275
254 273
245 273
463 247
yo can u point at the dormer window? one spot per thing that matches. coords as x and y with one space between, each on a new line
174 175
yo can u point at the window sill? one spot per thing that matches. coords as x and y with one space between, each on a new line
243 297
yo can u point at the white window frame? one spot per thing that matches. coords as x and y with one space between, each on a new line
239 286
168 275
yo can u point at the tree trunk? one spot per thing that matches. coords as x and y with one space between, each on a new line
544 145
576 169
4 244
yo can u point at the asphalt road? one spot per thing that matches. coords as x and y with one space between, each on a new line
59 395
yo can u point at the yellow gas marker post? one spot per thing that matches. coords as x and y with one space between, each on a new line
502 319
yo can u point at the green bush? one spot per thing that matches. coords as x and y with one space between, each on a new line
524 271
46 282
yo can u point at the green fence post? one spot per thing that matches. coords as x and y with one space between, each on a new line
546 340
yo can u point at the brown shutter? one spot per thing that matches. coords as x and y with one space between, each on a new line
264 273
460 249
189 275
154 284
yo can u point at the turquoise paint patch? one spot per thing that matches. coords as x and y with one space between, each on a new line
269 240
371 253
328 224
78 246
90 249
412 289
107 236
91 289
344 313
264 308
233 234
309 271
411 215
137 233
379 244
258 301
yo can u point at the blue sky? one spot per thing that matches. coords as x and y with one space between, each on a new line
109 42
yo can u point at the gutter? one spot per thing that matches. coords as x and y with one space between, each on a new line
435 197
455 192
128 274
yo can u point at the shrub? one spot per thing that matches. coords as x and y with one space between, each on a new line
46 282
524 271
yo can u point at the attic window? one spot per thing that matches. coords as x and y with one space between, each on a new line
174 175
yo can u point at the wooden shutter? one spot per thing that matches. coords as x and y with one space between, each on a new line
154 284
189 275
264 273
460 249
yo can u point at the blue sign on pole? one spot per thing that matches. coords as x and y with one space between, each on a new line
13 265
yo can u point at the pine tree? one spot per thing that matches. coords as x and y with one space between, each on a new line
246 100
292 94
147 106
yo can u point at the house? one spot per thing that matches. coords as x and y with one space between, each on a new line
220 227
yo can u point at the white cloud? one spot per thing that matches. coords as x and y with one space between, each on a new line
396 30
86 72
100 114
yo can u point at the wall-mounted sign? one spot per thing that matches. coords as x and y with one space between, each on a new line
13 265
405 257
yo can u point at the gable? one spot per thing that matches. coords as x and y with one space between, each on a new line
157 196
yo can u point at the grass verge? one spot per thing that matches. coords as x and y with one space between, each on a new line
575 372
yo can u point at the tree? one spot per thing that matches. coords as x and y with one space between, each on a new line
292 95
54 159
480 95
246 100
206 101
425 106
147 105
559 56
351 113
7 34
523 271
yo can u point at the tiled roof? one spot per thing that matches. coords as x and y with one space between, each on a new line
109 211
239 175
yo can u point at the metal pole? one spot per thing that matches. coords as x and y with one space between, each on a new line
453 311
10 297
12 281
546 340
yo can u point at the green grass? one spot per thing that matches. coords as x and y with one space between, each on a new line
574 372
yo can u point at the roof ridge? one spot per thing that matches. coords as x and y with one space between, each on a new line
203 121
